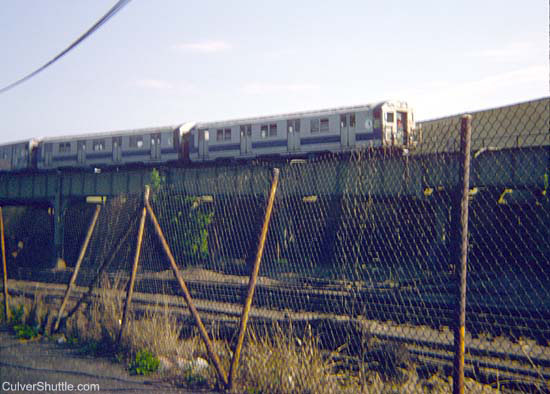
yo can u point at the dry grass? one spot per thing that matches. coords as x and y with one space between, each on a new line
278 361
282 363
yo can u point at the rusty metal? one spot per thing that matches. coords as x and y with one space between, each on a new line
130 290
72 281
462 258
187 296
253 280
4 267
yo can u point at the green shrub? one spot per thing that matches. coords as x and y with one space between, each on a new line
144 363
24 331
16 316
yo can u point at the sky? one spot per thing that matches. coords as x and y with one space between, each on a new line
167 62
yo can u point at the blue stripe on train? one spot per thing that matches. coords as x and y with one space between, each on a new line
63 158
220 148
366 137
269 144
320 140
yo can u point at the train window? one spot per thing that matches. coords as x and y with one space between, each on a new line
219 135
324 124
48 148
351 120
293 125
136 141
263 131
273 130
389 117
343 121
64 147
246 129
314 125
98 145
227 136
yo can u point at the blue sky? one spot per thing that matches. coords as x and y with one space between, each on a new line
167 62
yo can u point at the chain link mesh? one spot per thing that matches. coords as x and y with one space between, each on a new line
361 253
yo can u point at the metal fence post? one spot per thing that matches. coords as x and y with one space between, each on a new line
4 267
253 279
83 249
187 296
130 290
462 258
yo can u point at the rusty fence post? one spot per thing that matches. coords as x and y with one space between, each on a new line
253 279
462 257
187 296
4 267
83 249
130 290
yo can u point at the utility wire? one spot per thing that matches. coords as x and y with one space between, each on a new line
117 7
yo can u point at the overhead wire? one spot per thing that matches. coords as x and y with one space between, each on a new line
115 9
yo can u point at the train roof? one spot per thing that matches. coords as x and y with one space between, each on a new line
107 134
25 141
301 114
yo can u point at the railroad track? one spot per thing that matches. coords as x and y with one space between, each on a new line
431 347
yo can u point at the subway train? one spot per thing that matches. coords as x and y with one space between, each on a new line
386 124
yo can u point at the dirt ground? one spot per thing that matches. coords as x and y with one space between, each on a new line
46 362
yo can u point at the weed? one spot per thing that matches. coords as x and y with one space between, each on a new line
192 379
24 331
144 363
17 315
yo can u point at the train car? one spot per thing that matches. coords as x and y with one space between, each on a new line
18 156
143 146
386 124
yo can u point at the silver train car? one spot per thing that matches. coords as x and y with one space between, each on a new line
386 124
143 146
18 156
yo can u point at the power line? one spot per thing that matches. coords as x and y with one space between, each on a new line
116 8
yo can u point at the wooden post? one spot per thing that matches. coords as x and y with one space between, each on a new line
462 258
187 295
130 290
253 279
4 267
83 249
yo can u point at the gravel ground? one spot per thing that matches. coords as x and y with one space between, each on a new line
44 362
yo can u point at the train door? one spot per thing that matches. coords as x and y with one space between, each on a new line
117 149
389 129
246 139
14 156
204 136
155 147
81 152
293 135
347 130
48 148
402 134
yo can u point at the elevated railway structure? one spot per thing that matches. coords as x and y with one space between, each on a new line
511 158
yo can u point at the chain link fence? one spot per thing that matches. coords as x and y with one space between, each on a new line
360 257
